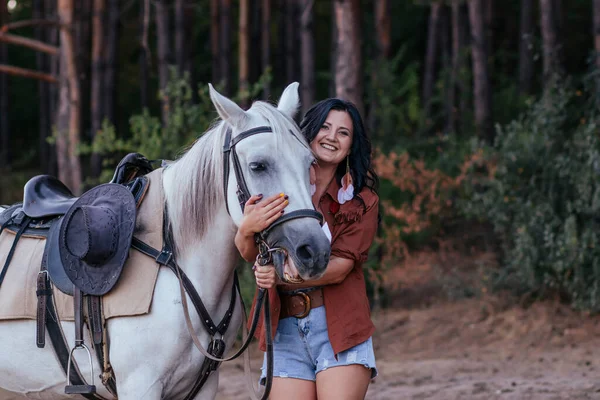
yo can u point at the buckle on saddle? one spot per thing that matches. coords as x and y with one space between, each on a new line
306 305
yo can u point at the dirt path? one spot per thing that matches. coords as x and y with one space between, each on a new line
476 349
473 349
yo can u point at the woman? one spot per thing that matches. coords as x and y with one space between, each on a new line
326 351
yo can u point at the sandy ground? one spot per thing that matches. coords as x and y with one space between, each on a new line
475 349
429 346
472 349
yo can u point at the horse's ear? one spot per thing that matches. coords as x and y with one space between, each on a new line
227 109
289 102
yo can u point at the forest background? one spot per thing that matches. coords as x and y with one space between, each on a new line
483 114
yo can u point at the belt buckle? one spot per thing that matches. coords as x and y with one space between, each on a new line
306 305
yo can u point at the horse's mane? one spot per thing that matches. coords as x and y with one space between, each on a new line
196 190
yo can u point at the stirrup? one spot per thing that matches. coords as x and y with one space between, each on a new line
80 389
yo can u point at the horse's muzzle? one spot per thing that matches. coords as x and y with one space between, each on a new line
307 245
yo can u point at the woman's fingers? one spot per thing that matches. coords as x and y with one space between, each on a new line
273 217
266 277
255 198
276 201
277 209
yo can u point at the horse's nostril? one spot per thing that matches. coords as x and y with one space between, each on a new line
304 253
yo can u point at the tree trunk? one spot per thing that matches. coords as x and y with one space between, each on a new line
4 109
278 62
224 63
255 40
97 88
482 94
265 35
82 21
447 68
214 41
348 76
244 42
559 20
458 65
431 57
383 28
184 38
180 37
291 42
190 10
334 50
144 59
51 12
41 61
307 54
597 32
550 44
526 47
69 109
489 28
381 55
111 60
163 45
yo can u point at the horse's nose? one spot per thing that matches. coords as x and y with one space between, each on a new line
312 257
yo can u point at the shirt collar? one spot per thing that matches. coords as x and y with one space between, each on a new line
332 189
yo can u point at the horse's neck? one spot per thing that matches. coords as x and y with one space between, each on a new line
210 260
210 263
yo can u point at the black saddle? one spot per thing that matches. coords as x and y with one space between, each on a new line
46 196
46 199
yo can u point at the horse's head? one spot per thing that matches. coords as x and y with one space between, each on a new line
269 155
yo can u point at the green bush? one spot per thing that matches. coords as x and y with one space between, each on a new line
541 192
185 123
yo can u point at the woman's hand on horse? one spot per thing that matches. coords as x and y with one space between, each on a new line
260 213
265 275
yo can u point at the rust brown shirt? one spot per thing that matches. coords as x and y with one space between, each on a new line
353 226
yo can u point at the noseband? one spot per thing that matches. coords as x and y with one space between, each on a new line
243 194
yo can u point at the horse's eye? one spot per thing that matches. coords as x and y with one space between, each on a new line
257 166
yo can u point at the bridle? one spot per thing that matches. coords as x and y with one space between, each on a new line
216 348
243 193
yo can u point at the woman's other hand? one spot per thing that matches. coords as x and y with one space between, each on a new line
260 213
265 275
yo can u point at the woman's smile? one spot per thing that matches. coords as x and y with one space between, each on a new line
334 140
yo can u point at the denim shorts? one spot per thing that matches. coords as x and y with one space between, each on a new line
301 349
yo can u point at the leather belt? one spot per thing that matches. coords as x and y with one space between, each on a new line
299 304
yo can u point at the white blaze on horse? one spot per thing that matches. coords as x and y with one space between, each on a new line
152 355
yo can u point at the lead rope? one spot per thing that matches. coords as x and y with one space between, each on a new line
262 297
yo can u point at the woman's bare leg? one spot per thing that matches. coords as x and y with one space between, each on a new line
348 382
293 389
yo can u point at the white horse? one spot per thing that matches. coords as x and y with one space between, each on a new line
153 355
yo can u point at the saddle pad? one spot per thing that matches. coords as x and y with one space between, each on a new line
132 295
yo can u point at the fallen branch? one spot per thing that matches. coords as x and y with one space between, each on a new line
26 42
29 22
27 73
